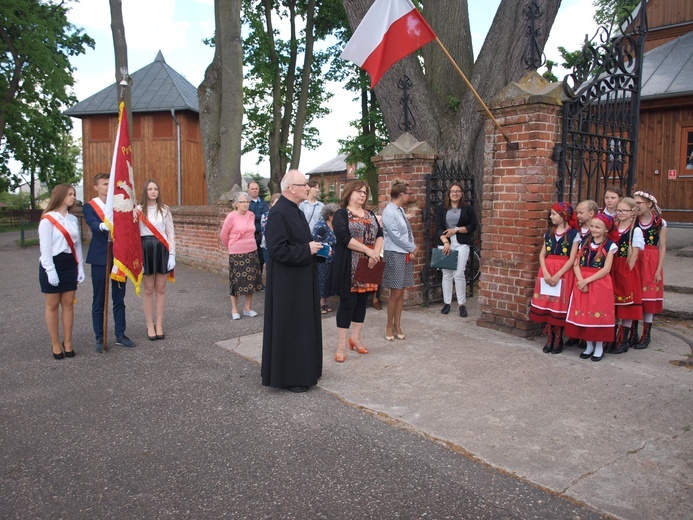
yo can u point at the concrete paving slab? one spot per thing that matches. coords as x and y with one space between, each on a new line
615 434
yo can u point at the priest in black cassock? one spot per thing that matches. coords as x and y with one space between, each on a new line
292 340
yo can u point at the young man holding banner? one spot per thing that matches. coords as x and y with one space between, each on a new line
94 215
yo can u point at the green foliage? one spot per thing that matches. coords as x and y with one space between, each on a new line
272 83
608 10
36 80
16 200
549 75
454 103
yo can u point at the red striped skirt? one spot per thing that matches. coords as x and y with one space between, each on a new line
591 314
627 294
552 309
652 292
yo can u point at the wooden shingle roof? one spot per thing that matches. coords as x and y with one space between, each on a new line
155 88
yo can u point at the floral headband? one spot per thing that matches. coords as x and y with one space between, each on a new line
647 196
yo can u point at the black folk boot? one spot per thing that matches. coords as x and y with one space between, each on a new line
549 339
633 337
645 338
557 340
622 346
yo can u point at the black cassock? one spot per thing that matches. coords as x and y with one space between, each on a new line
292 339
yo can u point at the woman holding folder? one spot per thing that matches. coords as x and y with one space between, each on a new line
158 254
359 239
455 226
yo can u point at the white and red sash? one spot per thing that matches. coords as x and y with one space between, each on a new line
65 233
161 238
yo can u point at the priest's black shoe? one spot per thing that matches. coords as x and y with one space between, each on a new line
297 389
463 311
445 309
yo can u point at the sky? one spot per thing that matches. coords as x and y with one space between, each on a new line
178 27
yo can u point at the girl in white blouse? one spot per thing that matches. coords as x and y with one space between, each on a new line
158 254
61 266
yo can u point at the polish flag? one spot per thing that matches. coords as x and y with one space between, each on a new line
390 31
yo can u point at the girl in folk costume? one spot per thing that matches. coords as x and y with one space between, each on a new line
612 196
158 256
591 314
585 211
61 266
626 275
651 262
556 262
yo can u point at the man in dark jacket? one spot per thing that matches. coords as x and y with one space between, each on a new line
98 249
292 341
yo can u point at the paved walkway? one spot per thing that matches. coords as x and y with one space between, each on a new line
615 435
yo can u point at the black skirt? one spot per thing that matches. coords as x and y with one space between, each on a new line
154 256
66 267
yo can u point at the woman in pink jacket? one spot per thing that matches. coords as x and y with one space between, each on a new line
238 237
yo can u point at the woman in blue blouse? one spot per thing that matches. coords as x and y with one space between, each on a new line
398 249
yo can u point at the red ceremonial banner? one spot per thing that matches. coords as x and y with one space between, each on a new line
121 204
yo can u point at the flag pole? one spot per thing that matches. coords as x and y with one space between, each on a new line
511 145
109 254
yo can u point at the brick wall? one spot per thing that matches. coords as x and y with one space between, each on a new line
518 191
395 163
197 236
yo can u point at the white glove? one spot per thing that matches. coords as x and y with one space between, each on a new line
103 227
171 262
53 278
80 273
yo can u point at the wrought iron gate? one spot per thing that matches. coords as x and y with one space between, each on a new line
601 118
437 184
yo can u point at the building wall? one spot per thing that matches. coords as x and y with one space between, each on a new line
154 150
665 128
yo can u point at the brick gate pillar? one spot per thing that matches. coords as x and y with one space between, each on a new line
518 192
408 160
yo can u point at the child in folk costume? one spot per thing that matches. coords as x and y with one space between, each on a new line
158 256
651 262
591 314
626 275
556 263
612 196
585 212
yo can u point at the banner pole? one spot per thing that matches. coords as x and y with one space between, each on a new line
511 145
109 254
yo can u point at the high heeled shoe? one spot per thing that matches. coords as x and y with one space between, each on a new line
359 349
399 334
340 358
389 338
69 353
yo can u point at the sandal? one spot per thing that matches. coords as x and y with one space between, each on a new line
325 309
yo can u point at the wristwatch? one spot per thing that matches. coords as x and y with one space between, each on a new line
457 230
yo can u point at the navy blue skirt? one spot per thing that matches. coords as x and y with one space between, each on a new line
154 256
66 267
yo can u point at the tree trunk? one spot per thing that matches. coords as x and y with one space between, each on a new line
447 115
305 86
221 103
120 48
